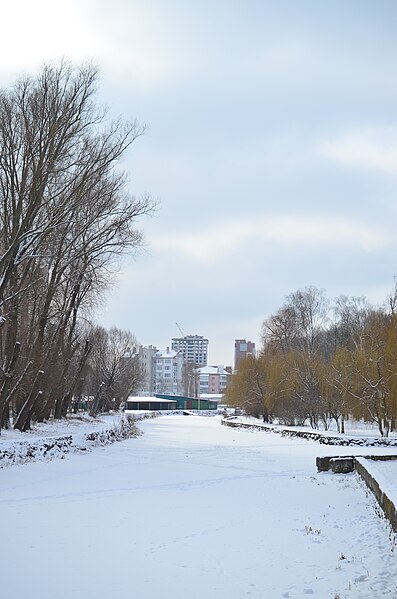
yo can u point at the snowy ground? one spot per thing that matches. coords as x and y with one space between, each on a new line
192 509
353 429
77 426
385 473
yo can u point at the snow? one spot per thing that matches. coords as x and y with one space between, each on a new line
52 439
353 428
149 399
385 473
77 425
192 509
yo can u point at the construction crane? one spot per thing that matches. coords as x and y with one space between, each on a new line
180 329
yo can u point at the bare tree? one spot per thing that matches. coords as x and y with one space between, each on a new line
115 369
310 309
65 218
280 330
352 315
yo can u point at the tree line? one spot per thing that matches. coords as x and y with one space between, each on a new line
323 361
66 218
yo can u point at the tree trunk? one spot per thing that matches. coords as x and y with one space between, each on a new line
4 391
22 421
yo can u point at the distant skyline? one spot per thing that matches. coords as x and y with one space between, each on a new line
271 147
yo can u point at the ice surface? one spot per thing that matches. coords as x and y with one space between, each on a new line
192 509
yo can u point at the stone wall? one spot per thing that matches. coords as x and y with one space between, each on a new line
387 505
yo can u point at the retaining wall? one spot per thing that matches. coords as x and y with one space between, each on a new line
386 504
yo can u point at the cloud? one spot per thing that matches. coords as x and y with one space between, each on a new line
310 232
135 46
374 149
42 31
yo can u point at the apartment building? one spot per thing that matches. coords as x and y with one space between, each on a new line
168 372
242 349
194 349
213 379
145 356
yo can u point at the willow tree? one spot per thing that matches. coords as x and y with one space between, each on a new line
247 388
373 374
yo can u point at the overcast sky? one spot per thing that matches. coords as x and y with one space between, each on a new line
272 147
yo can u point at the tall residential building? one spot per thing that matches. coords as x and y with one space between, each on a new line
242 349
167 372
194 349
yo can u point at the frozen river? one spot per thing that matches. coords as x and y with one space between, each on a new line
191 509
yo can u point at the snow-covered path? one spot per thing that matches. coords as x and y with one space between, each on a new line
191 509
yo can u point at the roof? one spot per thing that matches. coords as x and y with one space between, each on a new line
166 354
140 399
212 370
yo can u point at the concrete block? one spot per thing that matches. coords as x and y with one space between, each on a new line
342 465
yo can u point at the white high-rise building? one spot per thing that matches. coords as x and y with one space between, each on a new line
167 372
194 349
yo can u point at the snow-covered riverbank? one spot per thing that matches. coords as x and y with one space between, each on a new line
46 441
